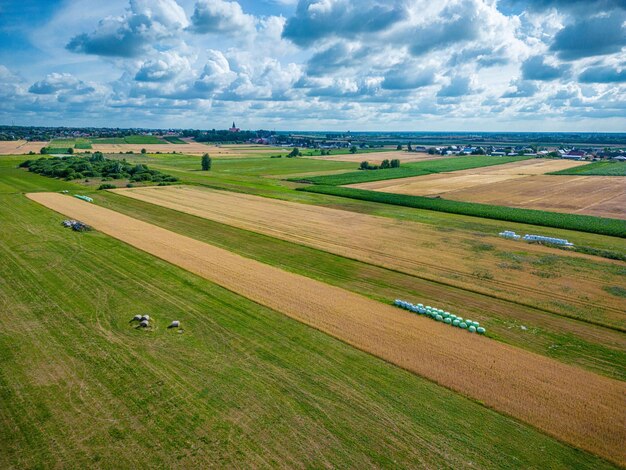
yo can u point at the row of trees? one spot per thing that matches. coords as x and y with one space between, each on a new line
385 164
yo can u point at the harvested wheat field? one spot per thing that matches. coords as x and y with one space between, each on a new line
455 258
574 405
520 184
602 196
190 148
18 147
377 157
444 182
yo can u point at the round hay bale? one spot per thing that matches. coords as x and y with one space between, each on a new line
448 321
481 330
456 322
439 318
463 325
472 329
136 318
144 323
145 317
174 324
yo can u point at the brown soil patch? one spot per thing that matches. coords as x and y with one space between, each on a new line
19 147
520 184
571 404
421 250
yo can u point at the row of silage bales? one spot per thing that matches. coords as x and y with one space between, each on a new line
443 316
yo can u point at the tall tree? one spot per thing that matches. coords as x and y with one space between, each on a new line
206 162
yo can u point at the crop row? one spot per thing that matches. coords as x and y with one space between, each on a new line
582 223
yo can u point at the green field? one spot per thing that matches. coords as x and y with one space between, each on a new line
143 139
412 169
174 140
56 150
108 140
78 143
131 139
242 386
583 223
596 169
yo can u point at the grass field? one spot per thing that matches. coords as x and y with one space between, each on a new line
412 169
596 169
143 139
243 386
174 140
233 383
487 371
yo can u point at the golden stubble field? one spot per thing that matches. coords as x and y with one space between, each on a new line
453 257
574 405
190 148
18 147
520 184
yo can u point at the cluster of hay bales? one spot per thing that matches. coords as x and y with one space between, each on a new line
535 238
442 316
142 320
84 198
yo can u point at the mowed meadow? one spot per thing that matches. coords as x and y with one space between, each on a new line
244 385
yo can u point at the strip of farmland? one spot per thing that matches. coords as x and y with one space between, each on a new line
571 404
412 248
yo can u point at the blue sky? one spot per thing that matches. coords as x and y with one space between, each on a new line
535 65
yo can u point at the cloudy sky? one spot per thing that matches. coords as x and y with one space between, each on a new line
535 65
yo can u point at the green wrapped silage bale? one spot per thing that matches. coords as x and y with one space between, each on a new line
439 318
456 322
472 329
459 318
463 325
481 330
476 324
447 321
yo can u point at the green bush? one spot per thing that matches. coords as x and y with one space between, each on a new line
107 186
94 166
582 223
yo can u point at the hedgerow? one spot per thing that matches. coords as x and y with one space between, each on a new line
582 223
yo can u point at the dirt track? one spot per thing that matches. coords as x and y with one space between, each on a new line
416 249
579 407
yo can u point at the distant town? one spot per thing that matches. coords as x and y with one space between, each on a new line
572 146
